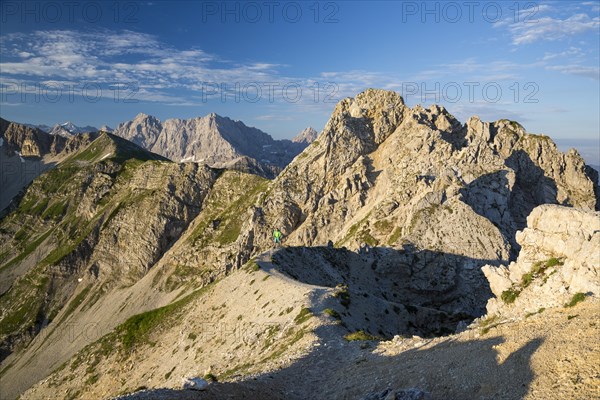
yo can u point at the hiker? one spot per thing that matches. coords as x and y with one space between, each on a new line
277 236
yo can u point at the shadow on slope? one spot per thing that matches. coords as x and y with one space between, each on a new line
448 370
338 370
386 292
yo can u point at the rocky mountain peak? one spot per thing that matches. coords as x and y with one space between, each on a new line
69 129
375 112
377 158
69 126
143 115
308 135
358 125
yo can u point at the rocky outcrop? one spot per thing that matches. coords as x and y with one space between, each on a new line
28 142
559 257
167 198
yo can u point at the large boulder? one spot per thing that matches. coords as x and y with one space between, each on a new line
559 258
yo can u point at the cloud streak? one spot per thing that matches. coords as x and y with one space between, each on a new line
549 28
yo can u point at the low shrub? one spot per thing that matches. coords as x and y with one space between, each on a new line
577 298
509 296
332 313
359 335
304 315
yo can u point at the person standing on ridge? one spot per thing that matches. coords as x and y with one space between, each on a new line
277 236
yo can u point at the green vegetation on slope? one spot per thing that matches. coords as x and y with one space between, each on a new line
538 270
137 329
225 208
46 207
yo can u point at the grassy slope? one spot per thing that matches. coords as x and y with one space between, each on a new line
47 214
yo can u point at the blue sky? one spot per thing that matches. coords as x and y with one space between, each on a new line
282 66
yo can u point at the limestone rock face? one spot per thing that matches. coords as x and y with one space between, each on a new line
384 174
143 130
29 142
559 257
169 197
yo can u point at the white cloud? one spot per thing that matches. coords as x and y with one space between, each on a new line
108 57
579 70
595 6
571 53
549 28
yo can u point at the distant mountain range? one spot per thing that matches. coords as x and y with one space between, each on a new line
68 129
26 151
214 140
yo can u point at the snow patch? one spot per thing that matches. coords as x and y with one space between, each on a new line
105 156
21 157
1 142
